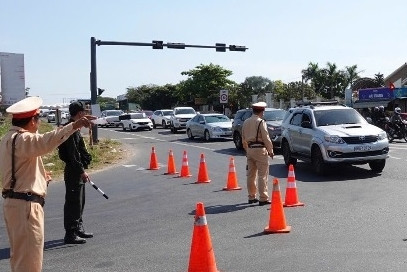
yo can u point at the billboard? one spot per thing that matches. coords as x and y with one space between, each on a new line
376 94
12 79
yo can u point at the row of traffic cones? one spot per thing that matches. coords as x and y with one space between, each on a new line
203 177
202 257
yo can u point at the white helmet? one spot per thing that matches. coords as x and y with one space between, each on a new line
397 110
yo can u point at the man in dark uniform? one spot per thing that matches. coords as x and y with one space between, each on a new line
258 146
73 152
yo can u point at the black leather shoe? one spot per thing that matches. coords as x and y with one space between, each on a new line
262 203
73 239
83 234
251 201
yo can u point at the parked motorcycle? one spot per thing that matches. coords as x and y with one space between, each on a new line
396 131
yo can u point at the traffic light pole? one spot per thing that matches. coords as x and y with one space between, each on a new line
220 47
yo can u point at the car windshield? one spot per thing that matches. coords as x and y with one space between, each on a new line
275 115
338 117
114 113
138 115
185 111
217 119
167 112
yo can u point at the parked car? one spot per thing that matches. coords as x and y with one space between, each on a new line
209 126
135 121
272 116
110 118
51 117
180 117
161 118
148 113
325 134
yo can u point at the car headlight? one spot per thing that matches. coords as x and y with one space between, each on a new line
270 127
382 136
334 139
216 129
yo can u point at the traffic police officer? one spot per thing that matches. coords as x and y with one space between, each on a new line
258 146
25 181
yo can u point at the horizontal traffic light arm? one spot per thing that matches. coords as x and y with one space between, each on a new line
220 47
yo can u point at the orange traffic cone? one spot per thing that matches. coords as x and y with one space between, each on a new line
203 173
171 170
277 218
153 160
232 177
185 168
291 194
202 257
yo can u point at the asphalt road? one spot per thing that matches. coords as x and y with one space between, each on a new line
353 220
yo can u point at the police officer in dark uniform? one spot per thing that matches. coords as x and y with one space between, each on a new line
258 146
76 157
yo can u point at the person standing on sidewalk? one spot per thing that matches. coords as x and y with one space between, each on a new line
77 159
258 146
25 181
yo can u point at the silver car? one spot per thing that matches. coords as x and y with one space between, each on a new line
328 134
209 126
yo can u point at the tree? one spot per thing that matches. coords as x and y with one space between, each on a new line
205 81
106 102
153 97
256 85
379 79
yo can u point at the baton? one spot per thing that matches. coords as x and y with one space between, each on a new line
97 188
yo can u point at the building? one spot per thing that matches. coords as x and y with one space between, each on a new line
12 78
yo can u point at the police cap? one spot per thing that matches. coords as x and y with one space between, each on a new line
259 105
26 108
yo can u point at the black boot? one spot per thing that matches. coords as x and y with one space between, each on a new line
73 238
84 234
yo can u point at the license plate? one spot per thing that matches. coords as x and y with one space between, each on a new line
362 148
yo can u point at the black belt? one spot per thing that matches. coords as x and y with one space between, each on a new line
24 196
256 145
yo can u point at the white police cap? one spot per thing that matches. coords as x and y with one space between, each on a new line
259 105
25 108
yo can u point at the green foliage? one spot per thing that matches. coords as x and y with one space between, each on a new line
153 97
106 103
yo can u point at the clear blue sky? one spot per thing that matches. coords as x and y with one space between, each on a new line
282 37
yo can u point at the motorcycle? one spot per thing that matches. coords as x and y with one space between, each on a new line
396 131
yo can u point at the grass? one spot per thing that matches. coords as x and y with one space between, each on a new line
106 153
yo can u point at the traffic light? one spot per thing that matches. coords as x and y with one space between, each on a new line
220 47
100 91
176 45
158 45
237 48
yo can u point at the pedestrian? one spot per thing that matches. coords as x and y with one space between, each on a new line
258 146
25 181
77 159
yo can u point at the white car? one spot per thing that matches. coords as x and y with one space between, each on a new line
135 121
161 118
209 126
110 118
180 117
51 117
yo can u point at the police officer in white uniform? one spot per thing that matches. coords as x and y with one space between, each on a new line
258 146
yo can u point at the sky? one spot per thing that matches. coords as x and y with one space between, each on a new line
283 37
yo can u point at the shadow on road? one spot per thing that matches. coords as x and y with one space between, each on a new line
216 209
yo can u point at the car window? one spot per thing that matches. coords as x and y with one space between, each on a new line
195 119
306 118
217 118
138 115
296 119
114 113
274 115
337 117
239 114
201 119
167 113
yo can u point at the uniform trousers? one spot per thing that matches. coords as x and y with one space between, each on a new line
74 204
257 166
25 227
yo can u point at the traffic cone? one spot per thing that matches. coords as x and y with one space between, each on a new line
231 183
153 160
277 218
203 173
171 169
291 194
202 257
185 168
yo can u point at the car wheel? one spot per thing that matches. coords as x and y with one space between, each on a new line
377 166
288 159
154 125
318 161
207 136
189 133
164 124
237 139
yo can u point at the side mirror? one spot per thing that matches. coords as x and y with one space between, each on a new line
306 124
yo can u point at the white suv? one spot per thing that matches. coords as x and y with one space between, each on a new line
180 117
324 134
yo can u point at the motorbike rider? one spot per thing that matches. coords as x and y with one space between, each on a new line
396 121
380 118
375 115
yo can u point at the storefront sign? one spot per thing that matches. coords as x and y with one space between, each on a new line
376 94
